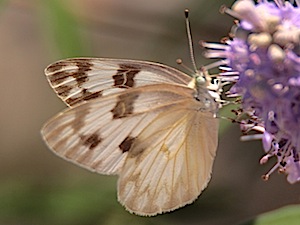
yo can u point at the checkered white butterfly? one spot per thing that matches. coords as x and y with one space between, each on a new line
148 123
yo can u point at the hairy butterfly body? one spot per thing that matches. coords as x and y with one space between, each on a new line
148 123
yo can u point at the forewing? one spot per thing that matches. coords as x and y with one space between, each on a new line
170 162
81 79
98 134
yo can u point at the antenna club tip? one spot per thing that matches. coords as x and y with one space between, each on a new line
179 61
186 13
265 177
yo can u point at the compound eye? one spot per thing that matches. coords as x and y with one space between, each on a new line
200 80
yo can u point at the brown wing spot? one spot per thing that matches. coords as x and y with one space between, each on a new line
55 67
63 90
118 79
58 77
124 106
71 101
81 75
79 120
124 77
85 95
91 141
130 78
126 144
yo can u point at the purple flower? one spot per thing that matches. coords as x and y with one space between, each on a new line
262 59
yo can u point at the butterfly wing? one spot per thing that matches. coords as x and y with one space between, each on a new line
94 133
81 79
155 137
170 162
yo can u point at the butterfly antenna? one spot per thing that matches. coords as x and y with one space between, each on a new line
190 40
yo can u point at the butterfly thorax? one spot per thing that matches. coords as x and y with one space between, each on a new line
206 92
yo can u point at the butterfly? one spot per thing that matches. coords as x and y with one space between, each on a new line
152 125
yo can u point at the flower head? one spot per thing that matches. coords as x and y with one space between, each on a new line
262 59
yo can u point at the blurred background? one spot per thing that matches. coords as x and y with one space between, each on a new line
37 187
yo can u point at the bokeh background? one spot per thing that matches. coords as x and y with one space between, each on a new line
37 187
